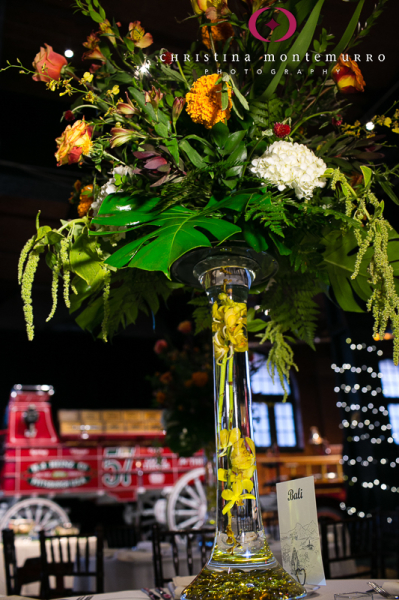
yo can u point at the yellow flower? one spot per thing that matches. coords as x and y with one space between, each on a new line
90 97
204 101
242 458
115 91
243 476
395 127
235 496
52 85
229 322
388 122
227 439
87 77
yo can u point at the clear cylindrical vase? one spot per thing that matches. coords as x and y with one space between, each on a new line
241 565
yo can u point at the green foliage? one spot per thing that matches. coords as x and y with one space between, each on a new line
290 303
130 292
178 232
201 314
272 216
177 185
281 355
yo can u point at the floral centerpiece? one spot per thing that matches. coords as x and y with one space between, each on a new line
219 147
190 155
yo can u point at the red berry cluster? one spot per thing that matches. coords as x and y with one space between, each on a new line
281 130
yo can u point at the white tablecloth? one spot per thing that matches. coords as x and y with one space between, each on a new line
130 569
334 586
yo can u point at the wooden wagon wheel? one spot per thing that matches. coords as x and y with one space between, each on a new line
42 513
186 508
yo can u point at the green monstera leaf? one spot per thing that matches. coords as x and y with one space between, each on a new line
340 259
179 231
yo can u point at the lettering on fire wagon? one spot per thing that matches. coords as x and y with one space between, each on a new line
58 464
118 474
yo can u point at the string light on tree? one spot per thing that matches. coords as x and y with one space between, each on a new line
369 465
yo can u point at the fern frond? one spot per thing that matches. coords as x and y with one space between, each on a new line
201 314
271 215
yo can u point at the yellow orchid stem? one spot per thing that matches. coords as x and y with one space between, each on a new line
222 381
230 384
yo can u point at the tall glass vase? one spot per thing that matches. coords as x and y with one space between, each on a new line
241 565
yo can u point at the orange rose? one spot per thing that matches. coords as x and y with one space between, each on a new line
348 76
200 378
160 346
74 142
48 64
166 377
185 327
160 397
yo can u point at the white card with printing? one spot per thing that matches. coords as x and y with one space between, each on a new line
299 531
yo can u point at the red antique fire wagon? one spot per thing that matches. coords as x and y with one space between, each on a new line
104 455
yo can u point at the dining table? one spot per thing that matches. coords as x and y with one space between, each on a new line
132 568
324 592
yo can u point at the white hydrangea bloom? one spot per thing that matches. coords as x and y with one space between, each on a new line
105 190
291 165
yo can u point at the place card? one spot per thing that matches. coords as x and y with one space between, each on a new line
299 530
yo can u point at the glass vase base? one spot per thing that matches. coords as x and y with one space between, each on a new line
272 583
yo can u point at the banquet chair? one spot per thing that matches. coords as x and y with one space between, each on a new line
351 542
16 576
191 538
388 527
123 536
69 556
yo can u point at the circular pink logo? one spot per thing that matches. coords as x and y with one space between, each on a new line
272 24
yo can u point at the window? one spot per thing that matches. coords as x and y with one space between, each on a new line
390 378
261 382
261 424
274 422
390 389
285 424
393 410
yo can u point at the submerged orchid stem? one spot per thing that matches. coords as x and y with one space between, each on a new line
221 390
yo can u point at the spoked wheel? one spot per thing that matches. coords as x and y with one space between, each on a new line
187 504
38 513
149 509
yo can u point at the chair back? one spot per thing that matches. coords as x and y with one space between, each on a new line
74 557
354 540
16 577
124 536
388 552
184 546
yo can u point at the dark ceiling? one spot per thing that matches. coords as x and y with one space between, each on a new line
29 179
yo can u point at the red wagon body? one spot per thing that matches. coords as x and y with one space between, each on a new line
113 453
